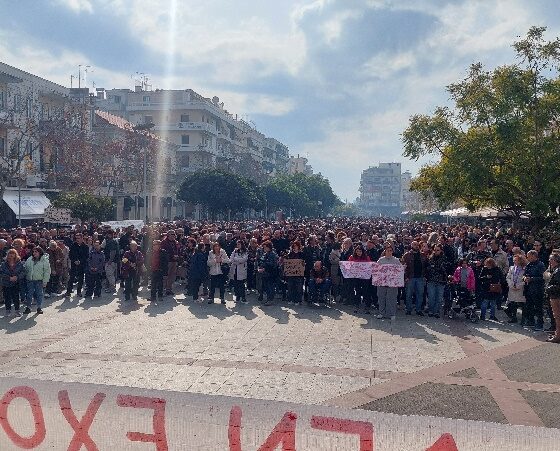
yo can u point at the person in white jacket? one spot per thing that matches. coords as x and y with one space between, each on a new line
38 273
238 271
217 262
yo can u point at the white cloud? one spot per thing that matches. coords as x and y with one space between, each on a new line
77 5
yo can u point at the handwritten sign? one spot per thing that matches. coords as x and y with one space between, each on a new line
58 215
356 270
388 275
294 267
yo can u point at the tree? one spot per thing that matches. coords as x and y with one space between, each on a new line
220 191
498 146
305 195
36 140
86 206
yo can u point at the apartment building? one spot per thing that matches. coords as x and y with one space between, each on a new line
206 133
27 105
299 165
381 190
44 127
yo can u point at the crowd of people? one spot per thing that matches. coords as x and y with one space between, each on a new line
493 266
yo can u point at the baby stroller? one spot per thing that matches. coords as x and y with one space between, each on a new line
463 303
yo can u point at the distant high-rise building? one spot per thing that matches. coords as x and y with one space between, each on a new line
299 165
381 190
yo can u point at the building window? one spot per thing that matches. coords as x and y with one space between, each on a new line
2 146
29 108
2 99
17 102
184 140
117 99
145 99
185 118
148 119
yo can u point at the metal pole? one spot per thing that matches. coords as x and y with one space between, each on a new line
19 203
145 185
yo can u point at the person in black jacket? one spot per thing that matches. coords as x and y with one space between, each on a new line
490 281
534 291
78 255
159 262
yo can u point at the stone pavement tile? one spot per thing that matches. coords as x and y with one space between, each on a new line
540 365
491 335
450 401
545 405
468 373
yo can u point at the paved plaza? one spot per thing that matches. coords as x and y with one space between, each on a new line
327 356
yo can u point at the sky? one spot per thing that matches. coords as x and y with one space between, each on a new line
335 80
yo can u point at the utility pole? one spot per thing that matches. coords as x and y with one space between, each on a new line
145 183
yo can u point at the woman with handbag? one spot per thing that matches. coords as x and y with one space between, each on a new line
491 288
218 265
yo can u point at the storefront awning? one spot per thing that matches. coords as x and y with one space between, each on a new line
33 203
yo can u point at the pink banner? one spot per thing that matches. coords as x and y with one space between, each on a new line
356 270
388 275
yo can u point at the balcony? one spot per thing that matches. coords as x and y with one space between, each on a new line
198 148
180 105
187 126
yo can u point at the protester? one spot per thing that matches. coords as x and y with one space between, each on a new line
387 296
94 270
516 295
553 291
79 253
491 288
159 264
131 270
238 271
12 275
218 264
38 273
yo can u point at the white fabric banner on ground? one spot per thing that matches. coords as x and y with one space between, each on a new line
356 270
55 415
136 223
388 275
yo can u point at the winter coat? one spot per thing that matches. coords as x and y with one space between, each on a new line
215 268
553 285
199 266
163 261
334 261
96 262
408 261
501 261
471 280
239 264
515 277
39 269
490 276
269 262
130 258
6 272
436 269
79 252
56 259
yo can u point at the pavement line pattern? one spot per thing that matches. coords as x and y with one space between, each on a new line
505 392
215 363
36 345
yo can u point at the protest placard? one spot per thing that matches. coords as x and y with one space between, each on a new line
294 267
388 275
356 270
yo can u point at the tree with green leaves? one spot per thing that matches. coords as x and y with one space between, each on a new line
499 145
85 206
221 192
